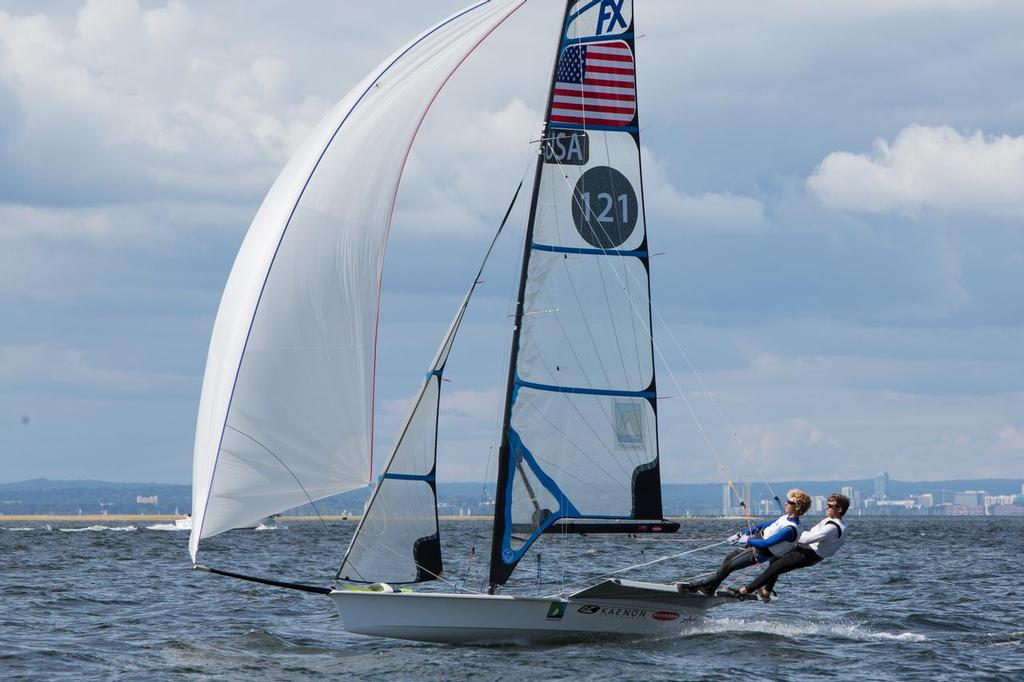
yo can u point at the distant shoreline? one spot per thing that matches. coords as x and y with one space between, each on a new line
170 518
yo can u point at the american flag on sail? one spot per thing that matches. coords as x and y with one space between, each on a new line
595 85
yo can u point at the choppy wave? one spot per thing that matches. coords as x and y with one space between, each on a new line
22 530
849 631
97 528
114 605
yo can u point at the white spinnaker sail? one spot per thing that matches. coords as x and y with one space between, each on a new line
286 411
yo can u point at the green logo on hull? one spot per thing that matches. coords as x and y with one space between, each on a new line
556 609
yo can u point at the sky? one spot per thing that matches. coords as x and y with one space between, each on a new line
835 191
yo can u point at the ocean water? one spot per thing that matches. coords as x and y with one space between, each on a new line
906 599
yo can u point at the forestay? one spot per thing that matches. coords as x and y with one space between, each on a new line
286 413
581 426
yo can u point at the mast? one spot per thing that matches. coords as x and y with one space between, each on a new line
496 577
579 429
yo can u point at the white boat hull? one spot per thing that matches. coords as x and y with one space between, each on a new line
610 609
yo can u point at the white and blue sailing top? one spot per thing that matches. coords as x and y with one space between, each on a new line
778 536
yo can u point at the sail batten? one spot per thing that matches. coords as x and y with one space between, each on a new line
580 432
286 411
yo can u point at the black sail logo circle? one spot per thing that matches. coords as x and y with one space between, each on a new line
604 207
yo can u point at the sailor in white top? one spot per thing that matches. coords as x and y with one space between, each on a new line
815 544
825 538
762 543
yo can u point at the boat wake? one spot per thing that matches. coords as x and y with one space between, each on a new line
165 526
97 528
848 631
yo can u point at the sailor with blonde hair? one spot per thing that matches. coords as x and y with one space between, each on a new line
761 543
812 547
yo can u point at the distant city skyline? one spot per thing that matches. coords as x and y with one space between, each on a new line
1003 497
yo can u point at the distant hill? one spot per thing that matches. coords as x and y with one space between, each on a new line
43 496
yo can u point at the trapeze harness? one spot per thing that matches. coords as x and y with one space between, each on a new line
775 538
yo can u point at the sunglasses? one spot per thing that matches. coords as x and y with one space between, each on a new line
792 502
832 506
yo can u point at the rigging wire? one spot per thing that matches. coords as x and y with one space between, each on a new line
436 368
586 581
721 467
657 348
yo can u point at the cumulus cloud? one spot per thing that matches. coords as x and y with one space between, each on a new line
46 364
464 166
479 405
927 167
215 113
773 442
713 211
1010 439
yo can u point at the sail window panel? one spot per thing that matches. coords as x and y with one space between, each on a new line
594 205
585 322
589 446
402 518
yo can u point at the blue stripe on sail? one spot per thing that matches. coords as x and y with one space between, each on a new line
566 508
595 252
566 42
429 478
586 391
591 126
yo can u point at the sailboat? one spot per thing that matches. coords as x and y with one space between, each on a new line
286 413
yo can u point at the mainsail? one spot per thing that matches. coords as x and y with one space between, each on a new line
286 413
580 434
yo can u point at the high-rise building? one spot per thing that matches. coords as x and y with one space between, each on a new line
854 495
726 501
882 486
970 498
